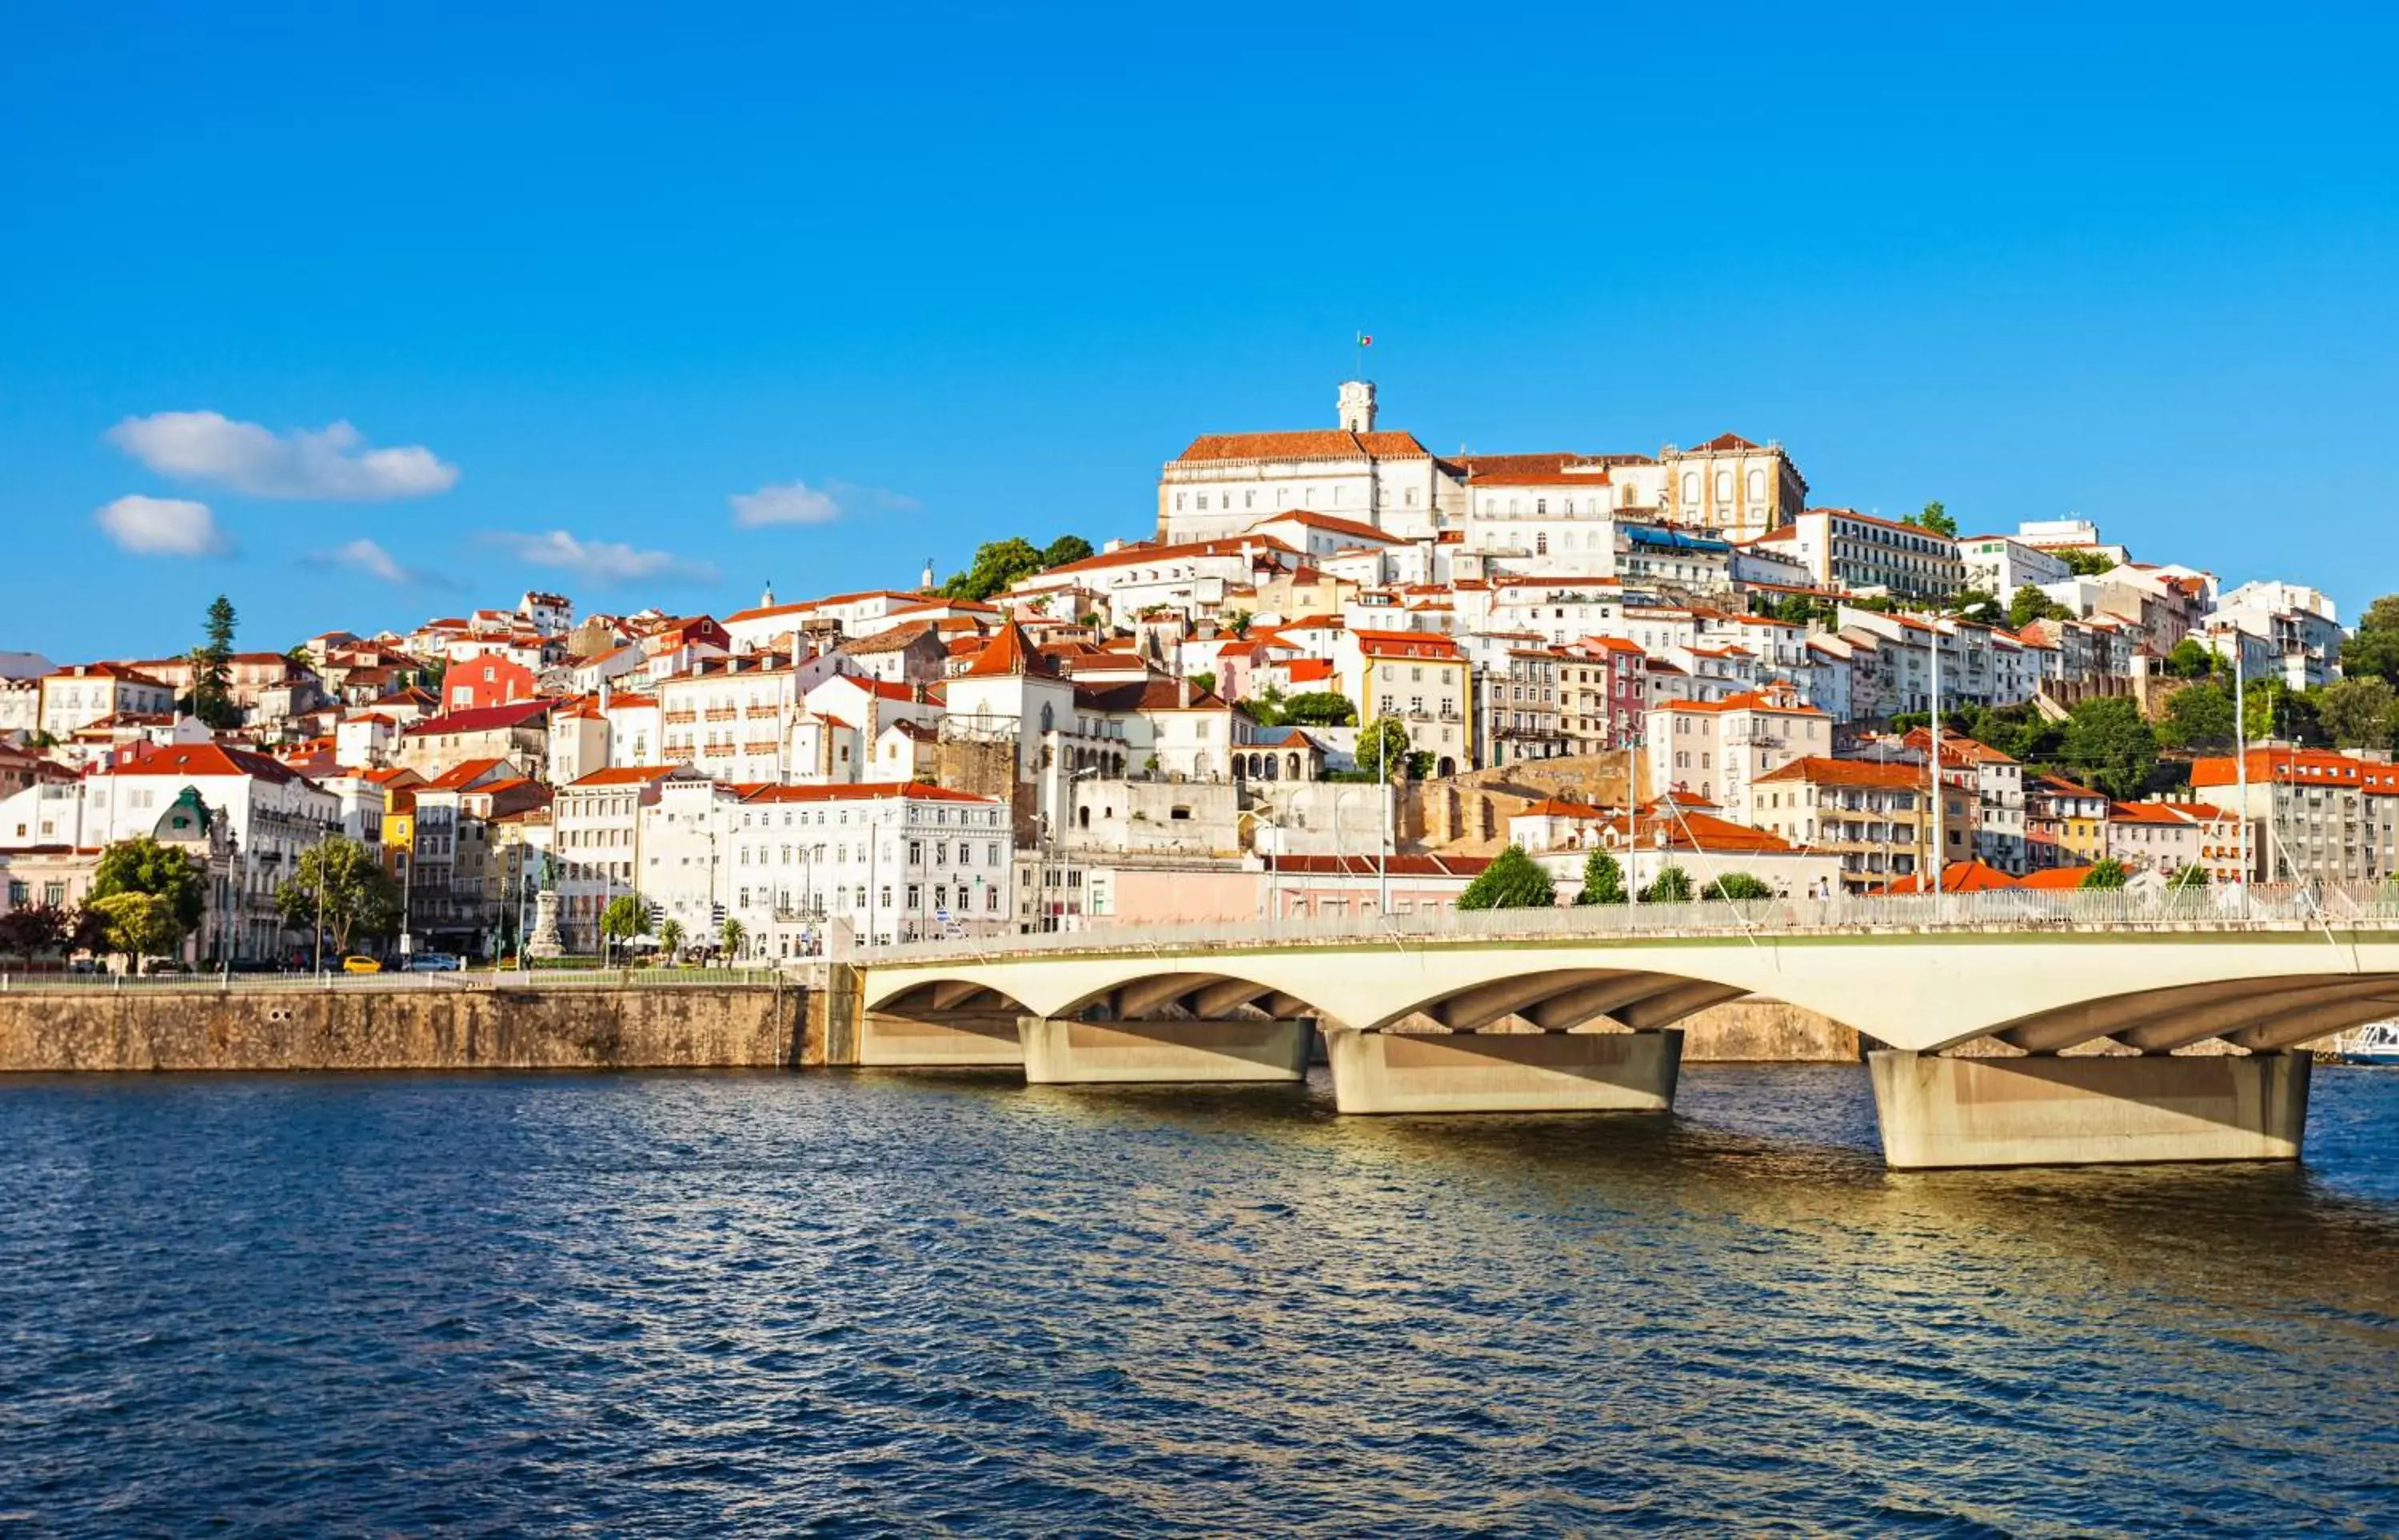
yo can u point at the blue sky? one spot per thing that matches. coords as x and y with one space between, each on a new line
965 274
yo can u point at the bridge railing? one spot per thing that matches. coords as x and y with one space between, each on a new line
19 981
2226 908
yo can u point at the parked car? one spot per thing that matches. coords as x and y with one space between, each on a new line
434 962
360 965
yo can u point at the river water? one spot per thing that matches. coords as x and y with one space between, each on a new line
861 1302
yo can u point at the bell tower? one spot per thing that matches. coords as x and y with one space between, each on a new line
1358 406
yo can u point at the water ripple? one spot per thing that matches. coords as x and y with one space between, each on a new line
878 1304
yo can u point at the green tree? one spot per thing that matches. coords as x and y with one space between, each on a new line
1383 749
1267 707
1979 602
1603 879
1066 548
2373 651
2190 660
1513 880
1739 885
671 936
1320 709
625 917
1673 886
2199 717
140 924
87 929
143 864
2086 564
997 564
1935 518
2030 604
1237 622
2108 744
2358 713
1204 683
360 897
2189 877
212 668
2108 873
731 935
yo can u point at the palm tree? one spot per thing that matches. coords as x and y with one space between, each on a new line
670 938
731 937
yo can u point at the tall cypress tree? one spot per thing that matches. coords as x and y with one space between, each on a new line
212 670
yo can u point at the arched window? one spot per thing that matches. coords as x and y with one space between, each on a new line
1048 717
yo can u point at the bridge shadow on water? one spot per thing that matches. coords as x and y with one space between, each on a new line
1792 1150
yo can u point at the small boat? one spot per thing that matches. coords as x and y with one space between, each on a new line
2376 1043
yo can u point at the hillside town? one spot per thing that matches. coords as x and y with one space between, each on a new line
1337 674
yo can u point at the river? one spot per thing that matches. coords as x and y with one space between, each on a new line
858 1302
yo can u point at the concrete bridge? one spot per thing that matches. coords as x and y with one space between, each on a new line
2017 1028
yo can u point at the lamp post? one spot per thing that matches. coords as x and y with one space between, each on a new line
1267 820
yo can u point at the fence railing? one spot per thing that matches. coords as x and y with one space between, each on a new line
21 982
2226 908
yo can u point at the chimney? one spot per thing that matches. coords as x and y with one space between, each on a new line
1182 689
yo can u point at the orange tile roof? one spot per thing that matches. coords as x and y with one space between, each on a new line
200 759
1425 644
1010 651
627 774
1959 877
1743 700
863 792
1831 772
1311 519
1330 444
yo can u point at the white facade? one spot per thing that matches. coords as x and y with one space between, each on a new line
895 863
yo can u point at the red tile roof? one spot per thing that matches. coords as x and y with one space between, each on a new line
485 718
1328 443
625 775
1832 772
865 792
200 759
1009 652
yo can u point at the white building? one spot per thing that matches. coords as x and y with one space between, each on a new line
1224 483
1717 749
893 862
596 839
78 696
1998 564
272 814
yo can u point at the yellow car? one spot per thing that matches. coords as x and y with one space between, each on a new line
360 965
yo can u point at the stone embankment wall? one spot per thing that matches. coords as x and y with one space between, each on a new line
730 1026
1766 1031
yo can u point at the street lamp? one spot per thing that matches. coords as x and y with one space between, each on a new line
1267 820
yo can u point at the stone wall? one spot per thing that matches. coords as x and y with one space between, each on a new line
731 1026
1766 1031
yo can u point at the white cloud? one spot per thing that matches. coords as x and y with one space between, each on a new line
798 503
162 526
365 556
604 560
333 463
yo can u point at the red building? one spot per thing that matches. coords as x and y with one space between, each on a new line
486 681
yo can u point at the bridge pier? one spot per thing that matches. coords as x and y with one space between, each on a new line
954 1039
1061 1051
2045 1111
1548 1071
